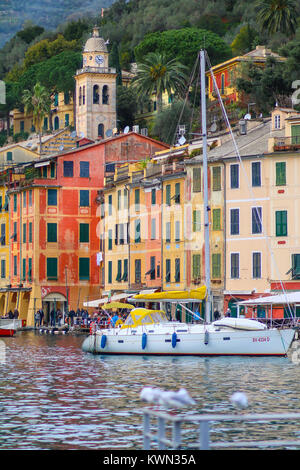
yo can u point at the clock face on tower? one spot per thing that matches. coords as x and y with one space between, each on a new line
99 59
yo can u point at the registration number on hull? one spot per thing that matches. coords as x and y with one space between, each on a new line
263 339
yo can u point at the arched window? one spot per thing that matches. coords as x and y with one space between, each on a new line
79 96
101 131
105 94
96 94
83 95
56 123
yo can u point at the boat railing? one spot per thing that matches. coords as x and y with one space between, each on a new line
173 432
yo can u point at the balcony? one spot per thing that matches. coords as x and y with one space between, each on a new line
87 69
286 143
122 173
137 175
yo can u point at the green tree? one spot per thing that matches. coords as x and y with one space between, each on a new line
245 40
278 16
126 106
38 104
12 100
184 44
46 49
157 75
166 121
114 61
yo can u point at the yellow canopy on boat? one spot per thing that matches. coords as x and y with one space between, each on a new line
144 316
111 305
197 294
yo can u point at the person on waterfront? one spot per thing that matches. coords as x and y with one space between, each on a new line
217 315
52 317
71 317
228 313
10 315
59 316
16 313
41 316
37 319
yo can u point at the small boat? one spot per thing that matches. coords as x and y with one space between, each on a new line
7 331
149 332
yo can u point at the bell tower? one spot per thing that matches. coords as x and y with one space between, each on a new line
95 91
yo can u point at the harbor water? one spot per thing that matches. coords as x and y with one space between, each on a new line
54 396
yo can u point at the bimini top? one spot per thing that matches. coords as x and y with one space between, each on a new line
169 296
144 316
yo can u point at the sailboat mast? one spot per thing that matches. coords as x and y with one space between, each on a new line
205 189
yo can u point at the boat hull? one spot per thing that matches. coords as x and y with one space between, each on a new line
7 332
273 342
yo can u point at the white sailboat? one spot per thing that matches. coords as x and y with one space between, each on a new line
148 332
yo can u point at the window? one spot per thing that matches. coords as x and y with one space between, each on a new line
153 196
119 199
216 178
137 231
216 265
67 120
30 198
256 265
256 174
24 269
83 94
234 176
68 169
137 268
9 156
84 169
196 266
153 229
45 172
84 269
109 277
119 273
280 173
3 266
105 94
101 130
295 266
67 97
14 235
177 269
56 123
121 234
56 99
256 220
15 202
52 269
168 232
84 233
24 233
24 199
80 96
196 180
137 199
196 221
84 198
152 267
52 170
96 94
52 233
6 202
30 232
125 273
235 265
168 270
116 234
168 194
177 193
22 126
110 204
2 235
110 239
52 197
45 126
15 266
125 195
177 231
234 221
277 121
281 223
29 269
216 219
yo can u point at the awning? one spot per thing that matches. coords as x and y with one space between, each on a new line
37 165
194 295
96 303
280 299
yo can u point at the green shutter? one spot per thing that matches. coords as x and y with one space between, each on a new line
109 279
119 274
84 269
29 269
216 171
84 233
110 239
52 233
216 265
24 270
52 269
125 275
168 194
295 135
196 266
196 221
30 232
177 193
24 233
52 197
281 223
196 180
280 173
216 216
137 199
15 203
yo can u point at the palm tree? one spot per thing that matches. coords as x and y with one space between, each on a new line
158 75
278 16
37 103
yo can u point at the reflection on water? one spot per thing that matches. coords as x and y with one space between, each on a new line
54 396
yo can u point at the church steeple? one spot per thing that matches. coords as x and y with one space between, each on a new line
95 90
